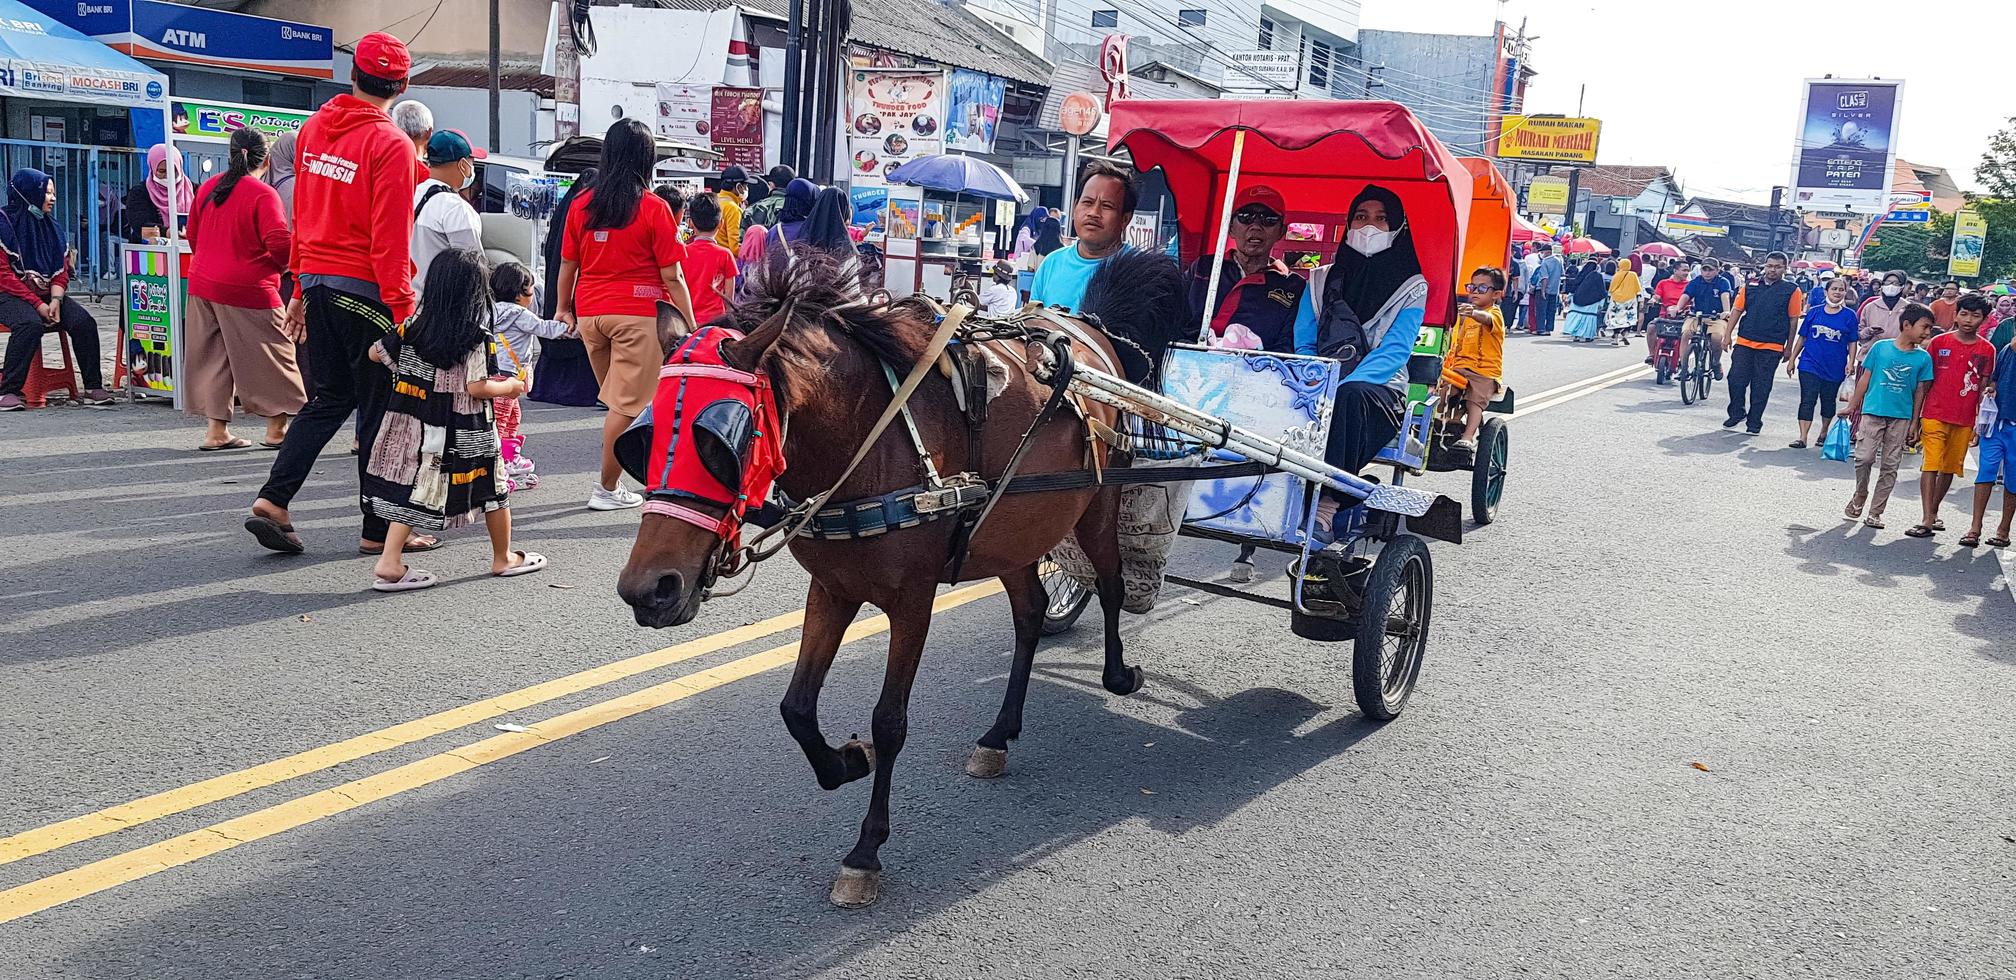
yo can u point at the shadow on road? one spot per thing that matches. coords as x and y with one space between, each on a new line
1959 577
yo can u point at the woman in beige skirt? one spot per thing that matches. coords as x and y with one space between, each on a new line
234 341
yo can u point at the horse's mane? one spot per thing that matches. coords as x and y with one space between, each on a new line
822 293
1141 297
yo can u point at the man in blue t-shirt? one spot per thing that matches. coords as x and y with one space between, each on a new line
1818 356
1707 298
1106 199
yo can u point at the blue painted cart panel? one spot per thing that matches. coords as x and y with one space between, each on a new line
1280 396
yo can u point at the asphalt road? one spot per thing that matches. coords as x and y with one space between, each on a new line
1677 720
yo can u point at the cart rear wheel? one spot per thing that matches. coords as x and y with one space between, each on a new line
1487 472
1393 627
1068 599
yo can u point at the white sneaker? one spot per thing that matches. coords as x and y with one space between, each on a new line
617 499
1466 445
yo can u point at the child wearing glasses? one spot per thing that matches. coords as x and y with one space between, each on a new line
1476 351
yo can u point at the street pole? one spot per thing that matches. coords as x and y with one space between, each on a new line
496 82
566 80
794 57
1574 206
1070 179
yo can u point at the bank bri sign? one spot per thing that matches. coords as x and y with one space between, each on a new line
173 32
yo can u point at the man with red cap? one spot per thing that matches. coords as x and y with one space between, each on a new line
353 229
1255 289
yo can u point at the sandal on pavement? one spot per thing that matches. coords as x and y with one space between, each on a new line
274 535
263 444
1998 542
410 579
1939 525
1873 522
528 562
1796 444
1918 531
1852 512
1970 540
234 443
418 542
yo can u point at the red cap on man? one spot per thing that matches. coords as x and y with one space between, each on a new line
381 55
1263 195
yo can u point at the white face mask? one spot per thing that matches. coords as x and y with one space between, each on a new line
466 181
1893 290
1368 241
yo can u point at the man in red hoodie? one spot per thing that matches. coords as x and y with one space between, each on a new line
353 223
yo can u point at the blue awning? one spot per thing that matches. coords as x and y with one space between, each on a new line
42 58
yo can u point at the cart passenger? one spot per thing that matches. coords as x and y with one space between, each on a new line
1366 312
1255 290
1477 355
1106 200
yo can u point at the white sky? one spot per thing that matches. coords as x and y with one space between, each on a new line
1653 71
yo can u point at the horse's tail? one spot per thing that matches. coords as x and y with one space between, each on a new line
1141 297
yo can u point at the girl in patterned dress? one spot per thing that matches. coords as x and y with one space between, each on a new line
436 462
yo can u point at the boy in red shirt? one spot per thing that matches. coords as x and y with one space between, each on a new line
1963 364
710 269
353 230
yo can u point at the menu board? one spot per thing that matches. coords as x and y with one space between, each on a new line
893 115
685 113
737 118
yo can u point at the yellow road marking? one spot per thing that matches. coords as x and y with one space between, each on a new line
42 840
46 893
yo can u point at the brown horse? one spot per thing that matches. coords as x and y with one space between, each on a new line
823 347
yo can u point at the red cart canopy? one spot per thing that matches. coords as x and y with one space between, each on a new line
1319 154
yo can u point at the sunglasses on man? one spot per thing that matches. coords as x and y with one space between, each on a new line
1257 217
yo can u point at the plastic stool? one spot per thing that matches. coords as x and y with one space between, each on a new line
42 379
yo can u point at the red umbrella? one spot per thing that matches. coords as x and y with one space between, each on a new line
1821 264
1660 249
1579 246
1526 231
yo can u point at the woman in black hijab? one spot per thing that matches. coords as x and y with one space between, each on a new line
1049 235
565 377
1365 310
826 226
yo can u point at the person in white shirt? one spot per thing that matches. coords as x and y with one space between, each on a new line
442 220
1000 296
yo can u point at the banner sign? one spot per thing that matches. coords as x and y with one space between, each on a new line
195 35
1970 237
974 110
218 120
686 113
1556 139
736 116
893 115
1847 145
150 354
1547 195
1915 216
1690 224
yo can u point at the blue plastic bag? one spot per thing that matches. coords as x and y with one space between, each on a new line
1838 445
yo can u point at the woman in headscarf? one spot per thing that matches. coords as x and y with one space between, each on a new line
280 173
564 377
34 275
799 196
1049 235
1365 310
1624 290
1025 236
2001 327
147 201
1585 303
826 227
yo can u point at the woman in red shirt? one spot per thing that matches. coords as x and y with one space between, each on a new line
233 340
619 257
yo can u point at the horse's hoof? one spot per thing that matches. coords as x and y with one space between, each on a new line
986 763
1133 680
856 888
859 757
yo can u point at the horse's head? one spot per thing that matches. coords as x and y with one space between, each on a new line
706 451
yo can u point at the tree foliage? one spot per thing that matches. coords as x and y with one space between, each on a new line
1922 250
1997 169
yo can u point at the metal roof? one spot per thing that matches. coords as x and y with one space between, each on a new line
946 33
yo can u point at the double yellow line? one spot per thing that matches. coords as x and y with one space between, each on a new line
44 893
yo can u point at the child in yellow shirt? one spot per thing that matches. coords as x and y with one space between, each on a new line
1477 352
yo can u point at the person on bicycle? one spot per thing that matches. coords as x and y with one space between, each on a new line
1706 298
1666 295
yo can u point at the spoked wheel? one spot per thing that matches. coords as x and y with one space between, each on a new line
1068 599
1704 379
1693 361
1487 473
1393 627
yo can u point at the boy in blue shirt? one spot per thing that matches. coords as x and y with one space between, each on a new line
1819 357
1106 199
1998 453
1889 395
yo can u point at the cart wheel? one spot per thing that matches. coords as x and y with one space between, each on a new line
1393 627
1487 473
1660 375
1068 599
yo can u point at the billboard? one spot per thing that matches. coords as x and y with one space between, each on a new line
974 112
1970 237
1552 139
1847 145
893 115
1547 195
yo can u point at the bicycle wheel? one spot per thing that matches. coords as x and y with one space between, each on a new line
1706 379
1690 362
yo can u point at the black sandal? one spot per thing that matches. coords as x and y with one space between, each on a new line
1998 542
1796 444
1918 531
274 536
1970 540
